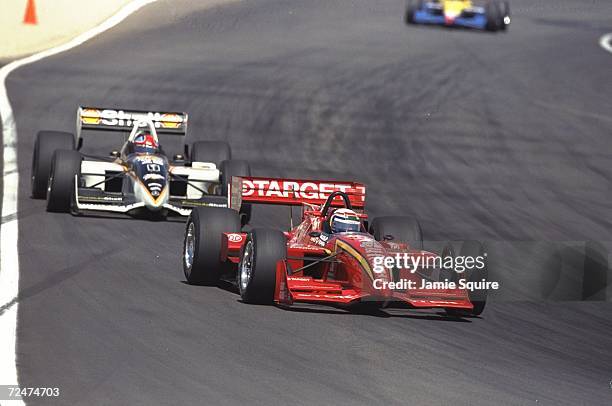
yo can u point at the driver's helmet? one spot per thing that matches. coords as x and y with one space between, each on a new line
144 142
343 220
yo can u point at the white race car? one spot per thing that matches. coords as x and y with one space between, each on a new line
139 179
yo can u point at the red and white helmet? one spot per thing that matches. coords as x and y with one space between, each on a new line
344 220
145 142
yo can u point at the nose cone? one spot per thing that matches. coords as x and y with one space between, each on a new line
367 251
154 198
151 181
452 11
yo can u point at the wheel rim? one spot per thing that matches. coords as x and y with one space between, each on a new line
189 249
34 170
246 267
50 182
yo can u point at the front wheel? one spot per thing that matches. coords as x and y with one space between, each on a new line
47 142
210 152
257 268
65 170
399 229
202 243
478 297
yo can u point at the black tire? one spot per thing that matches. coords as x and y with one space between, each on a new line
445 273
231 168
596 271
210 151
60 193
504 12
206 225
477 297
45 145
411 8
401 228
493 15
266 247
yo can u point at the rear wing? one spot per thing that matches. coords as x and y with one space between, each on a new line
95 118
292 192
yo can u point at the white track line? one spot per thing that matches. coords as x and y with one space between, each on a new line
9 262
606 42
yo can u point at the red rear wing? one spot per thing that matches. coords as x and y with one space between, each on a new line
293 192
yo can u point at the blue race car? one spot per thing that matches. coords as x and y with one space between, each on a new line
490 15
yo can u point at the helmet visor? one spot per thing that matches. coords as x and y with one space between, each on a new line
344 225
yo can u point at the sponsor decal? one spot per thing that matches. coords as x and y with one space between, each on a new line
90 116
171 121
154 167
151 176
234 237
321 240
155 188
313 249
394 245
298 279
288 189
98 198
150 159
112 117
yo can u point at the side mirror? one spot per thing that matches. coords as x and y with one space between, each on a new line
388 237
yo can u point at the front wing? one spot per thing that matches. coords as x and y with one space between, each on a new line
290 290
94 199
478 20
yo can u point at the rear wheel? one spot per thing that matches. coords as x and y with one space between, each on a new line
210 151
504 13
398 228
478 297
47 142
595 272
493 15
202 243
66 165
411 8
257 268
231 168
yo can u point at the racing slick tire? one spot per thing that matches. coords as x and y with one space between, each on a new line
210 151
596 272
231 168
202 244
504 14
65 166
256 276
411 8
45 145
478 297
398 228
493 16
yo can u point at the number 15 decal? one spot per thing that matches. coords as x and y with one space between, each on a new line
153 168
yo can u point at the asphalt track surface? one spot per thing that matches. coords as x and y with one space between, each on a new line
500 137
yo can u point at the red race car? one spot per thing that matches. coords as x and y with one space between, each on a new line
334 256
